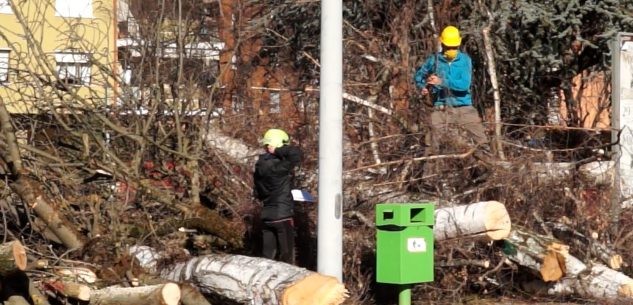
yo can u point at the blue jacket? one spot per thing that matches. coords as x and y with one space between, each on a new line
456 77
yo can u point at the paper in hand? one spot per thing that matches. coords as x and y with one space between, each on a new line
302 195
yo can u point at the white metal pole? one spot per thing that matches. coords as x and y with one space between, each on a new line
330 225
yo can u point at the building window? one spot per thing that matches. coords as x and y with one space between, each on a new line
5 8
73 8
73 68
4 65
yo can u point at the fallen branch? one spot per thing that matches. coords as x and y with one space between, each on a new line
28 189
427 158
482 263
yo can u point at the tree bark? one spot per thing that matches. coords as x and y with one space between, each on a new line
487 219
12 257
250 280
165 294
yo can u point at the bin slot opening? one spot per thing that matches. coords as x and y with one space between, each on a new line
387 214
417 215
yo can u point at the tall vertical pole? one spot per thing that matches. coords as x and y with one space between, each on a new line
330 225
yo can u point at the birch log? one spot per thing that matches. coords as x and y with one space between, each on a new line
165 294
487 219
543 254
596 281
250 280
12 257
567 273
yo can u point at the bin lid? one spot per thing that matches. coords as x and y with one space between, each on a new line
405 214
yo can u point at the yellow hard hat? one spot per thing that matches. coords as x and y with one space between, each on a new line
450 37
275 138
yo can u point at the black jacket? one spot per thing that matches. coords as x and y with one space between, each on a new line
273 181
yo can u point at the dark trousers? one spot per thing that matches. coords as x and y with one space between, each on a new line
279 240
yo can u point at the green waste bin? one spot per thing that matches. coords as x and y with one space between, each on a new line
404 243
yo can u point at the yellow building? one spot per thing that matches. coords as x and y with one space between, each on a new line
57 54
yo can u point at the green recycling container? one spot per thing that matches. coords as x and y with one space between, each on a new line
404 243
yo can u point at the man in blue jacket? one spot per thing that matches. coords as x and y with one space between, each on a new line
447 77
273 183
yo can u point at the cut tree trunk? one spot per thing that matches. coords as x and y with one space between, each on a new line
165 294
76 274
567 274
69 289
250 280
12 257
487 219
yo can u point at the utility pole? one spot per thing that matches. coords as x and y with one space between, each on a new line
330 224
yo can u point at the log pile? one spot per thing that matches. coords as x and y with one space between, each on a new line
562 273
17 288
261 281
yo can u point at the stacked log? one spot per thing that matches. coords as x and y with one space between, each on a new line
18 289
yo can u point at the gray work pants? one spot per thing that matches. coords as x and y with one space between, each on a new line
444 121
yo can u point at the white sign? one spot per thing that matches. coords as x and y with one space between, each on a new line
623 115
416 244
